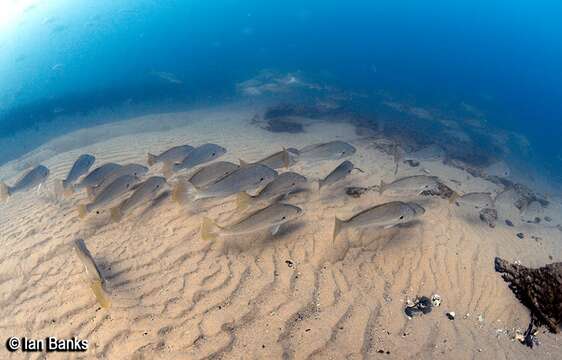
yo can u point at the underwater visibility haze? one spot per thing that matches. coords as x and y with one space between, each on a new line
295 179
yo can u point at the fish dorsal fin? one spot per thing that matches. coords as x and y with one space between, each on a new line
243 163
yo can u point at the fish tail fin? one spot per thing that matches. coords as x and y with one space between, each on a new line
101 294
179 190
116 213
454 197
243 200
285 158
59 187
381 187
4 192
207 226
168 169
337 228
150 159
82 210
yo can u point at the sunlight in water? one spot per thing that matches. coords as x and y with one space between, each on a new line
12 10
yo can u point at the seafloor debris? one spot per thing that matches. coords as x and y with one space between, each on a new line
357 191
421 305
509 222
436 300
451 315
489 216
539 289
442 190
520 235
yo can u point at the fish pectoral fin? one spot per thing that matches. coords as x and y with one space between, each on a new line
275 229
388 227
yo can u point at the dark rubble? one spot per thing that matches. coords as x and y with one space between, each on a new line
540 290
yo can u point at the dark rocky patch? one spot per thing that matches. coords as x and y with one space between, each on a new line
509 222
283 125
299 109
520 235
443 191
357 191
540 290
489 216
422 305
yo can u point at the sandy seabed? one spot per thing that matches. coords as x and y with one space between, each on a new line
294 295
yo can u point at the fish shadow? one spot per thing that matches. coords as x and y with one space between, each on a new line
155 203
263 239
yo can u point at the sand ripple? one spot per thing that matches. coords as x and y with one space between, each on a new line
292 296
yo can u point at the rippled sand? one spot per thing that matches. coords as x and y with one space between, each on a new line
294 295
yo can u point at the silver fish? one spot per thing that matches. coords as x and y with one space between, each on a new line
247 177
200 155
478 200
281 159
339 173
144 192
29 180
111 192
332 150
271 217
410 185
80 167
173 155
97 176
93 275
211 173
129 169
384 215
283 185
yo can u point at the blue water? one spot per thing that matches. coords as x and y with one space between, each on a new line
504 58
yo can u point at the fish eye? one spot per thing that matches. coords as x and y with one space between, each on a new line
213 154
293 184
283 218
402 217
261 179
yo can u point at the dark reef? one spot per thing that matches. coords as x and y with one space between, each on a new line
540 290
